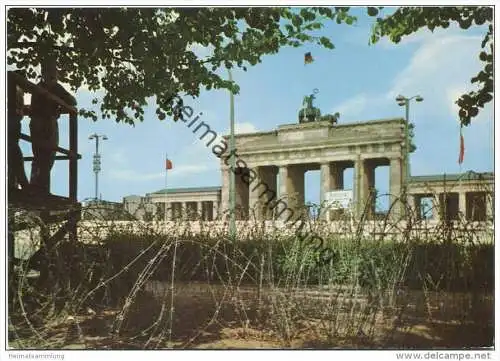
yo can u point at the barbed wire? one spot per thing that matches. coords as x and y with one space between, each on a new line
119 261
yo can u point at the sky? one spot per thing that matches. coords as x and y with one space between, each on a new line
358 80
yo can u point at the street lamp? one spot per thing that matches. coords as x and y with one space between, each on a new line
232 185
404 101
97 161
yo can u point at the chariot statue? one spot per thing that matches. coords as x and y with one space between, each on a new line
309 113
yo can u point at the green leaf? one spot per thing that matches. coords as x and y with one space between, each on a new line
372 11
408 20
326 42
138 53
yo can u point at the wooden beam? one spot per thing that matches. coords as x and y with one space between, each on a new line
58 149
26 85
57 157
27 110
59 234
36 201
73 162
72 155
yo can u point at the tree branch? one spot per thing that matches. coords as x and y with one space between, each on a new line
32 44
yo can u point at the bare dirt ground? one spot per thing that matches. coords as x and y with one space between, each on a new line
215 320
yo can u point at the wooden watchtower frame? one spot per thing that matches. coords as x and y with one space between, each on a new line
68 208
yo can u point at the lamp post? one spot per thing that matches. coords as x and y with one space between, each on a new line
97 161
232 185
405 101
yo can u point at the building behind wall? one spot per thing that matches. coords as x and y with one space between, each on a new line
468 196
196 203
103 210
139 207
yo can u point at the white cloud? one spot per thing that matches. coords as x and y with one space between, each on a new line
182 161
242 128
441 65
117 157
188 169
131 175
239 128
197 157
439 70
352 107
420 36
360 36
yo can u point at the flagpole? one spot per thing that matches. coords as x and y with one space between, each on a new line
166 173
460 161
232 185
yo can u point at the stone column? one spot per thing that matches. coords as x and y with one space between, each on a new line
168 208
336 180
291 191
436 207
337 175
325 186
332 178
242 193
262 192
184 210
444 206
462 204
369 188
199 211
490 206
326 181
268 192
414 202
364 177
173 210
395 186
254 190
282 192
215 210
356 186
170 211
224 206
179 210
296 178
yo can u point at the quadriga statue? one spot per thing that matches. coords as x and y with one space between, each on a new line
309 113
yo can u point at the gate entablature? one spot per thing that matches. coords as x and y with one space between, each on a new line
376 138
292 148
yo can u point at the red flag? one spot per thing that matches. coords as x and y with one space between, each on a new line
168 164
462 148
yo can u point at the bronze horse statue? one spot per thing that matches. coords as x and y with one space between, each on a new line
309 113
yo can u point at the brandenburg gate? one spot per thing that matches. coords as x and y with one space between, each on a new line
314 143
